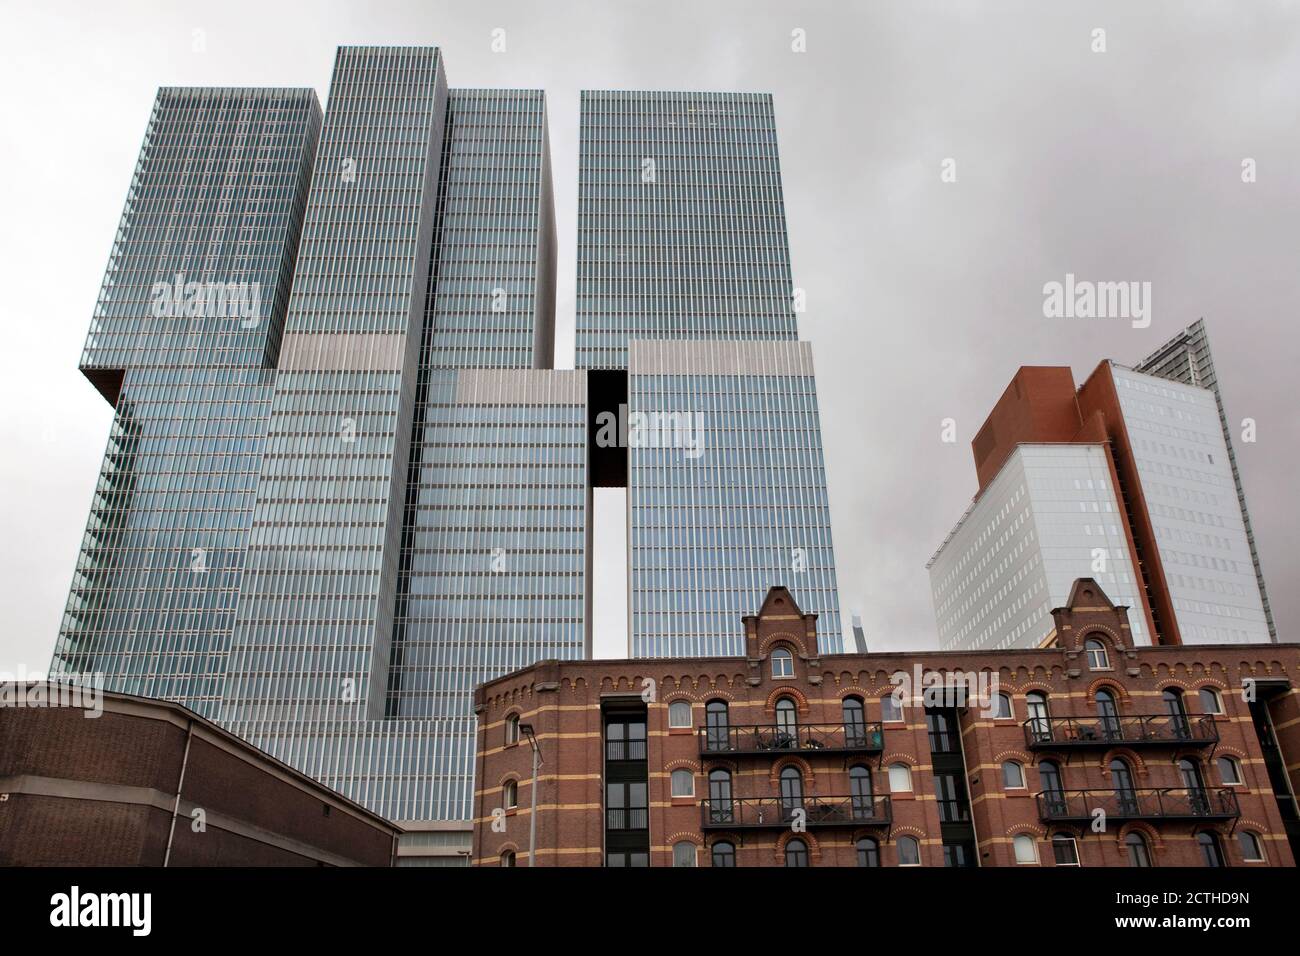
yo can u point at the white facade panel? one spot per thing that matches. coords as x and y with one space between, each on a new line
1191 495
1049 517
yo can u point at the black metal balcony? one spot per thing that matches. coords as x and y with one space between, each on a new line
617 750
768 739
1177 803
1142 730
779 813
627 818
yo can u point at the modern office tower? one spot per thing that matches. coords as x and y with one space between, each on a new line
183 343
324 525
1162 470
1013 557
681 222
490 304
1186 358
685 313
748 504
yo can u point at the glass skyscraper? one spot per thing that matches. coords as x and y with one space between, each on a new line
684 284
1186 358
183 343
325 522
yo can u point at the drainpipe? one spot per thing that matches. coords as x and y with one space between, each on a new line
176 806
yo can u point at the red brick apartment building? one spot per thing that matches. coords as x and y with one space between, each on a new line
788 757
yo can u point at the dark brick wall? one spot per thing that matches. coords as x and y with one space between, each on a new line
141 749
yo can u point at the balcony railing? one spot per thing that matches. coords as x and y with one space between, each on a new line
625 749
779 813
763 739
1132 730
1171 803
622 818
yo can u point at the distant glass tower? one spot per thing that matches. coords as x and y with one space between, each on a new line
183 343
684 288
1186 358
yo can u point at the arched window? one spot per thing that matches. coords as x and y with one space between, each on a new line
1139 854
1026 849
791 791
909 851
1211 849
900 778
1049 779
1229 770
683 783
860 792
512 729
855 723
1252 850
684 853
796 853
782 663
1064 850
1173 701
717 734
723 854
1121 783
787 723
1108 713
1040 718
1211 702
1013 775
1198 801
1098 659
510 794
679 713
868 852
891 707
720 809
508 858
1002 709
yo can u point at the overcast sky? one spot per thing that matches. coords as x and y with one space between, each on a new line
924 296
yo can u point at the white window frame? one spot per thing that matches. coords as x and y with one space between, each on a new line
1100 649
1020 768
899 850
1259 847
690 714
890 776
1236 769
695 854
1033 848
1073 843
786 655
1218 700
672 782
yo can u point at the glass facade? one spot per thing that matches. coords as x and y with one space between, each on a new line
714 528
681 222
183 342
1186 358
324 520
1183 462
684 281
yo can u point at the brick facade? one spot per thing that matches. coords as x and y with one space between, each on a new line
562 701
102 791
